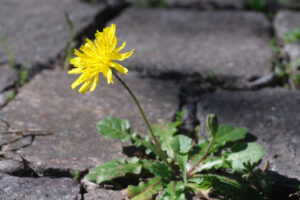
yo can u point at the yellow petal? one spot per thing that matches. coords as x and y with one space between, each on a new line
122 56
85 87
119 67
75 61
80 80
95 83
120 48
112 31
75 71
108 75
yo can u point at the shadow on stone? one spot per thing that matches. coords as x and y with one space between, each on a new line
250 137
283 187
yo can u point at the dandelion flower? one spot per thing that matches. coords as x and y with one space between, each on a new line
97 57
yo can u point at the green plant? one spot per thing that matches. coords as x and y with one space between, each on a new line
288 72
11 96
76 175
216 163
292 36
258 5
151 3
12 63
71 43
173 165
23 73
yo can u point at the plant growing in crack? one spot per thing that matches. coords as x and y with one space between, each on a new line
173 166
288 72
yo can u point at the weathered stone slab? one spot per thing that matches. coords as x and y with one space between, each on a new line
36 30
10 166
4 97
102 194
272 115
291 4
235 4
202 4
286 21
190 42
8 77
15 188
48 102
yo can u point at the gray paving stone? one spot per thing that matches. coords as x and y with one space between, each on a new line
189 42
8 77
236 4
4 97
36 30
15 188
291 4
48 102
202 4
10 166
103 194
272 115
286 21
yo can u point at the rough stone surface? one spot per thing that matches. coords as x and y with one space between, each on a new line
36 30
236 4
202 4
48 102
10 166
14 188
286 21
4 96
190 42
292 4
103 194
272 115
8 77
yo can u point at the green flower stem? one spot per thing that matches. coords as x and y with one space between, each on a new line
162 154
189 173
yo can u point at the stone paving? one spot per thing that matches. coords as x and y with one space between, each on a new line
12 188
237 47
36 30
48 102
174 49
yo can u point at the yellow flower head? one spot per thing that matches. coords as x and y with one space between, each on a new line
98 57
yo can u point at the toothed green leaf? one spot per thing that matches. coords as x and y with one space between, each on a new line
174 191
181 144
113 128
165 132
225 186
145 190
138 141
182 160
158 169
114 169
226 133
243 153
213 163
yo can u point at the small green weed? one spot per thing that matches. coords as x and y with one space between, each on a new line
258 5
151 3
292 36
11 96
71 43
289 72
12 63
23 76
76 175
